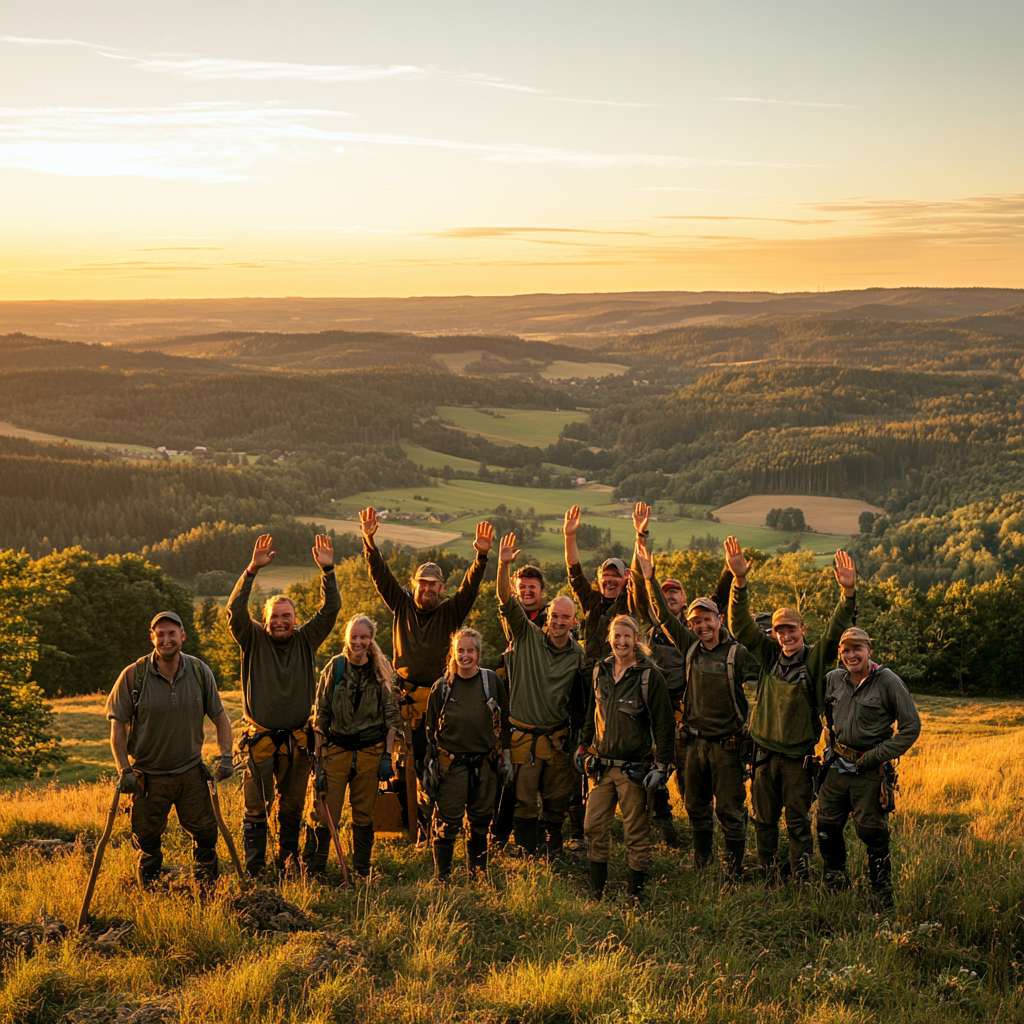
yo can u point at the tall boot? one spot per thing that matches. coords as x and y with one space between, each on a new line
204 859
553 831
703 847
880 873
577 815
476 850
525 831
734 850
662 816
637 881
317 846
362 848
254 846
832 845
598 878
288 843
444 851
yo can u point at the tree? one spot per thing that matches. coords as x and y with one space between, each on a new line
866 521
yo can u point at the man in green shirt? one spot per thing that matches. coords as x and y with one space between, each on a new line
786 719
546 705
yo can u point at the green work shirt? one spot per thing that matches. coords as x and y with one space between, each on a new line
598 612
356 709
279 677
166 737
790 690
543 679
464 724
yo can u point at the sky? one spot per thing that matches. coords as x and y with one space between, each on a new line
394 148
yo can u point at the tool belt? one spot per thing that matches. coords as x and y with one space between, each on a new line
260 744
555 735
355 741
474 762
848 752
412 703
635 770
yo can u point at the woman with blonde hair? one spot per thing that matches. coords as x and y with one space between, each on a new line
354 721
629 716
467 751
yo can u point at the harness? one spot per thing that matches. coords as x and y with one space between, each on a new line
548 733
347 741
136 682
730 668
492 705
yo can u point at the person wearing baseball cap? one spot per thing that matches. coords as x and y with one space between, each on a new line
423 621
863 701
156 711
712 720
785 721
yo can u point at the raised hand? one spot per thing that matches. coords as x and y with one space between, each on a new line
368 522
846 572
738 565
572 521
262 554
484 538
641 517
643 558
508 552
323 552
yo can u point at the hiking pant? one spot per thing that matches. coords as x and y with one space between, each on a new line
359 780
839 795
285 776
782 782
189 795
464 791
715 781
614 788
550 777
679 754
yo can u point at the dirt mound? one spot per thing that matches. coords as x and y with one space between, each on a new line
266 911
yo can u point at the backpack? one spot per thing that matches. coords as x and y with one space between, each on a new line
136 685
645 680
730 668
492 704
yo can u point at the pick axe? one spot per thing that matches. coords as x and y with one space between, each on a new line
335 841
97 860
229 842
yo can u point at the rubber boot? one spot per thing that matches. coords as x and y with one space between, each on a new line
553 845
476 850
254 846
525 831
288 844
444 851
832 845
362 848
205 866
637 881
880 873
148 869
314 853
598 878
576 837
703 847
734 850
663 818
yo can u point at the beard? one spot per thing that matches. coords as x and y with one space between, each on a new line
427 602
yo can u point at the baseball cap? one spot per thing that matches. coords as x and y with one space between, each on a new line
429 571
614 563
671 584
172 616
702 604
854 636
786 617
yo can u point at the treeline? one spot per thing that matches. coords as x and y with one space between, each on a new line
25 352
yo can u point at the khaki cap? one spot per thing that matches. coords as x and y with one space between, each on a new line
854 636
616 564
170 616
786 617
702 604
429 571
671 584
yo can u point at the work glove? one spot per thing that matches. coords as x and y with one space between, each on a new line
655 778
506 771
850 767
431 778
580 760
225 768
386 771
128 783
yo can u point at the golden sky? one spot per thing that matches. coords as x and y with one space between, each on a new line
401 148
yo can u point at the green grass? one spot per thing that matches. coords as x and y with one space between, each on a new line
539 427
530 945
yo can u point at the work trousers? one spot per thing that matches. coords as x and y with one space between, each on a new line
841 794
616 788
782 782
359 780
284 777
551 779
189 795
715 782
464 791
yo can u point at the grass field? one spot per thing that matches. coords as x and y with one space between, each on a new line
836 515
539 427
528 944
431 460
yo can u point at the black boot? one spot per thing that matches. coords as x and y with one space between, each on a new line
880 873
476 850
525 831
703 846
204 859
598 878
576 836
317 846
362 848
833 852
553 848
288 844
734 850
663 818
254 846
637 881
444 851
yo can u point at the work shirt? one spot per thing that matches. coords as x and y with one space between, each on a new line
356 709
621 725
545 682
790 690
279 677
863 716
598 612
421 637
166 737
711 707
464 724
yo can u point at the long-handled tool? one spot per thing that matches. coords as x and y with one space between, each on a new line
97 860
412 804
211 781
335 841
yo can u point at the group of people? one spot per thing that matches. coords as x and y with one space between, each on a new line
585 715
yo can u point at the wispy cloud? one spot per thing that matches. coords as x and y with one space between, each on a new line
230 141
773 220
782 103
33 41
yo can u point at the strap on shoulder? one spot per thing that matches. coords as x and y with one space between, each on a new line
645 680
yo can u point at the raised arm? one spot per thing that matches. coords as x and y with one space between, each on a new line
513 619
826 650
381 575
569 528
507 554
319 627
585 594
678 633
462 600
239 619
741 622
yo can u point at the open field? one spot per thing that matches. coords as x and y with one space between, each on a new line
431 460
563 369
400 533
528 944
10 430
826 515
539 427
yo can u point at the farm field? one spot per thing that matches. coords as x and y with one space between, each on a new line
10 430
529 944
539 427
826 515
400 533
431 460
